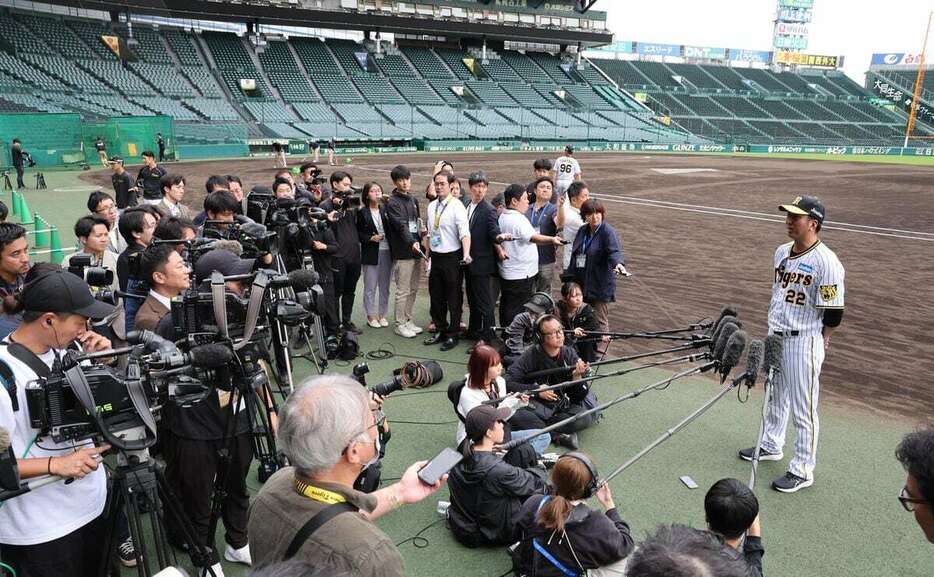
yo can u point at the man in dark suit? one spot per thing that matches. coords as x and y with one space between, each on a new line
484 250
167 276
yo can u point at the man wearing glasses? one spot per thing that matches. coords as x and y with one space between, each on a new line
102 204
548 407
916 454
310 511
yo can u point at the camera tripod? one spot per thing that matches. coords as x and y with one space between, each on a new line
137 482
7 183
40 181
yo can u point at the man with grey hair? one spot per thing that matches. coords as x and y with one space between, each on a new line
310 511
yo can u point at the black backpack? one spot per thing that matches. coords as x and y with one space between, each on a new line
454 395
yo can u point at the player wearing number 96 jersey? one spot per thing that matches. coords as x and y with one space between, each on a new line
806 307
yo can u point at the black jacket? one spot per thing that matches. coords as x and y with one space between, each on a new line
345 231
534 359
486 494
402 212
752 553
366 228
16 155
585 319
484 228
149 178
597 540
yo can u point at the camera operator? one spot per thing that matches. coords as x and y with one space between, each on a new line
329 432
167 275
16 153
174 228
148 179
14 264
91 232
137 227
219 205
314 189
56 531
124 187
102 204
347 266
195 437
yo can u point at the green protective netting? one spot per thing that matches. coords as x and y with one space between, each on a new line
51 139
129 136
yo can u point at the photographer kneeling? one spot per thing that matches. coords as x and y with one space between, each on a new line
329 433
57 530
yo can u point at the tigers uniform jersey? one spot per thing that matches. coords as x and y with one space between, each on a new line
566 168
804 286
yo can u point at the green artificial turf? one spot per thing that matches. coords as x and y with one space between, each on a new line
849 523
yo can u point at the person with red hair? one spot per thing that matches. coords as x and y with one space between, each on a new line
484 382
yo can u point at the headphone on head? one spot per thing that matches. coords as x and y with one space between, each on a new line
591 486
537 334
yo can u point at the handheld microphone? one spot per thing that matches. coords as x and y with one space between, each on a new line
9 472
732 353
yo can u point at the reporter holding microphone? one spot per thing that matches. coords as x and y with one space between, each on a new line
57 530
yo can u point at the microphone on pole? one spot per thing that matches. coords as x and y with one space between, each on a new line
770 366
753 364
722 339
726 311
773 357
731 355
714 337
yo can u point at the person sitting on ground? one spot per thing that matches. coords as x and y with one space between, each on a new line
683 551
484 382
520 334
328 430
732 510
578 316
486 491
559 534
549 407
916 454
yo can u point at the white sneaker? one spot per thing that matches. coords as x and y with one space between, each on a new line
413 327
373 323
403 330
216 569
383 322
241 555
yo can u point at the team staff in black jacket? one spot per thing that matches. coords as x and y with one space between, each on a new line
16 155
560 535
550 407
487 492
404 235
484 250
149 177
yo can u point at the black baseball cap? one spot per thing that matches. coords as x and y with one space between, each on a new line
541 303
806 205
224 262
116 159
59 291
481 418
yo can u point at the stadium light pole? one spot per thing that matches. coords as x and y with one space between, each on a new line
919 80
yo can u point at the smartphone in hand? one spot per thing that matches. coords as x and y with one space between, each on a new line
443 462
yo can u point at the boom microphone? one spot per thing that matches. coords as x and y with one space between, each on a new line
722 339
732 354
753 364
211 356
718 328
303 278
773 354
726 311
9 472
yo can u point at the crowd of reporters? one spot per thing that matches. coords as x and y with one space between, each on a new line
330 429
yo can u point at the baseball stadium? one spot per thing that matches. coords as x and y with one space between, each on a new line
698 157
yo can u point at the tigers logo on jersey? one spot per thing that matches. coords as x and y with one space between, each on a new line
828 292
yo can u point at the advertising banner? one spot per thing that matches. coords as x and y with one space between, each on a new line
650 49
791 42
622 47
903 99
796 3
743 55
705 52
801 59
791 29
895 59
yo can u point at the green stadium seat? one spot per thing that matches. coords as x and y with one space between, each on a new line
183 46
316 58
428 64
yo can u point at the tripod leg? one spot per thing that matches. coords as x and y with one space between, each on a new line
201 557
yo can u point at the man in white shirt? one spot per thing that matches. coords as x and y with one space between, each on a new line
520 267
566 170
449 247
569 218
167 275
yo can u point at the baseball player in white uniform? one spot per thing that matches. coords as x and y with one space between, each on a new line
566 170
806 308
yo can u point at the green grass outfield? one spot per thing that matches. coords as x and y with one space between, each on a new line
849 523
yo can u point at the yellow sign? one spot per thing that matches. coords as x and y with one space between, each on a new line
666 120
641 97
112 42
802 59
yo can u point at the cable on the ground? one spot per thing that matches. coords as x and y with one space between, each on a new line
417 540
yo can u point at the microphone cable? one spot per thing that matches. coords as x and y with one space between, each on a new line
417 540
